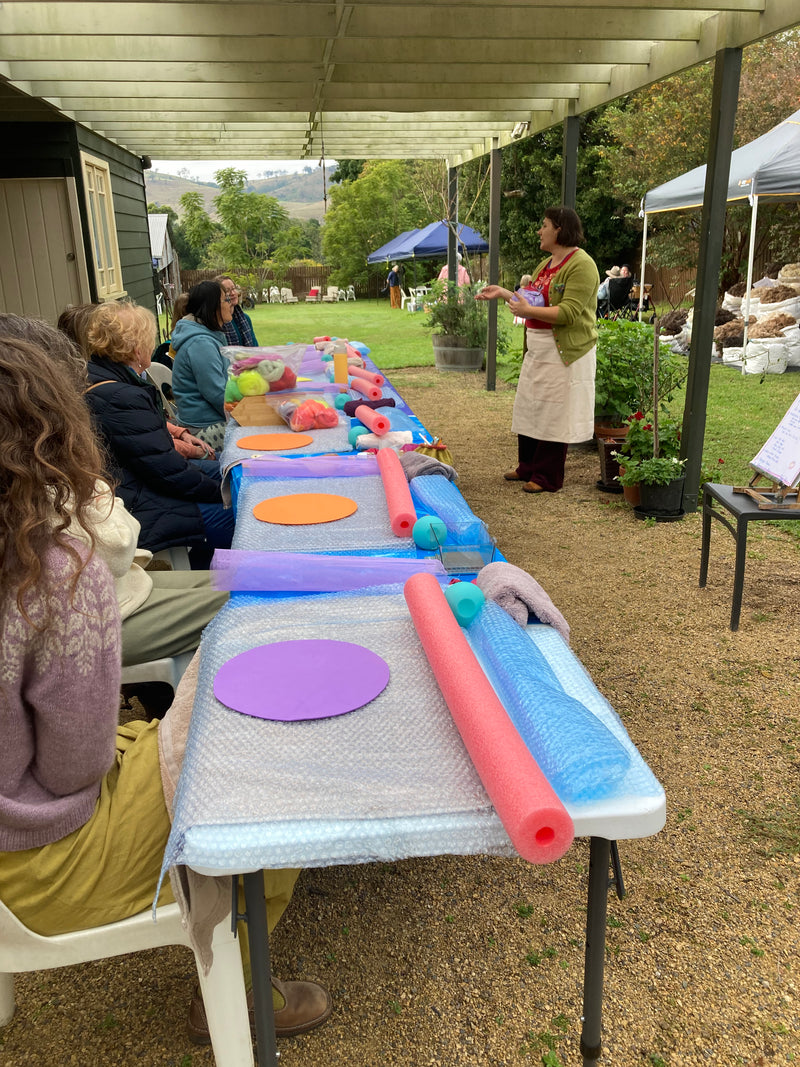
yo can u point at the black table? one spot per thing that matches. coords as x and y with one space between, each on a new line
744 510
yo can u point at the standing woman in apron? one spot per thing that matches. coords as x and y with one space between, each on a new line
554 405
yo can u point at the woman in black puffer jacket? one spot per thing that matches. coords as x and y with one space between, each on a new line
175 502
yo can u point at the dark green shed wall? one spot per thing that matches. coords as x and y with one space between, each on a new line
52 150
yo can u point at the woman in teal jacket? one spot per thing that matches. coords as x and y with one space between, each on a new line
200 372
554 405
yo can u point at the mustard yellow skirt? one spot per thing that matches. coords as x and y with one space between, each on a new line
108 869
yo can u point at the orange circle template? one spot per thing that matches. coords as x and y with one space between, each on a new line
274 442
304 509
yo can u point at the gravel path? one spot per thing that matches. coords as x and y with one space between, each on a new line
475 961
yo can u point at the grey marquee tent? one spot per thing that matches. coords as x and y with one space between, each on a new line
768 167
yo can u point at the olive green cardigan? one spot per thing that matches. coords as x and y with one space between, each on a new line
573 289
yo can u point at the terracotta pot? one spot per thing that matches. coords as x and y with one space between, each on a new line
603 432
631 493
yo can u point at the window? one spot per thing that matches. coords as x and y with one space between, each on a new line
100 206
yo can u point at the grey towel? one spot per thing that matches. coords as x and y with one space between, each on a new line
414 463
520 595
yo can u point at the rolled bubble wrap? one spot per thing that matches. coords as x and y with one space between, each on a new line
373 420
538 824
582 759
402 515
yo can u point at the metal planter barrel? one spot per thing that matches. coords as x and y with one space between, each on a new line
453 353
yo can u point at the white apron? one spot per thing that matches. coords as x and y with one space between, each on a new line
554 402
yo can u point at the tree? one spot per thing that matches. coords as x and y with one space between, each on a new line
197 227
661 131
347 170
250 223
366 213
533 167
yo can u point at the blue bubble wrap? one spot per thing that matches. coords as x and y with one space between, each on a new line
436 495
387 781
580 756
367 530
393 766
332 440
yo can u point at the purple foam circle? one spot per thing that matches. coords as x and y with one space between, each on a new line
293 681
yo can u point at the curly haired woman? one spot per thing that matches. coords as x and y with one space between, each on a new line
83 819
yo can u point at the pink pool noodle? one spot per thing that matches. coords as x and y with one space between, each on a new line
402 514
367 389
374 421
367 375
534 818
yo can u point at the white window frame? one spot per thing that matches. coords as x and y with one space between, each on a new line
102 227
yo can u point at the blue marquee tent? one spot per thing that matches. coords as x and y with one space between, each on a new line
386 252
428 243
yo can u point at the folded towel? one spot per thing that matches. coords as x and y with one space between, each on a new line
414 463
520 595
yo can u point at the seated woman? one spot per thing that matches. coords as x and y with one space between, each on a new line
200 373
83 817
175 502
163 613
239 331
74 322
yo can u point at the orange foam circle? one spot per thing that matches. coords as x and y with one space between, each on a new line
274 442
304 509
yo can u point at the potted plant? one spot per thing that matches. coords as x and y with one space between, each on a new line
653 461
458 326
624 376
638 445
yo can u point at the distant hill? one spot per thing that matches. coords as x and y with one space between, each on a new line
300 194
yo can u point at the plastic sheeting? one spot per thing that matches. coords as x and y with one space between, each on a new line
387 781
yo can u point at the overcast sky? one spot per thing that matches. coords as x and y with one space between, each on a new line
205 169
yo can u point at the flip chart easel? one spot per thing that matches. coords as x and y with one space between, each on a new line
779 461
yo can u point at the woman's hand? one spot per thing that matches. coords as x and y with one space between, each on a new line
493 292
202 450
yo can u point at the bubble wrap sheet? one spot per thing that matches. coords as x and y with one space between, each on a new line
387 781
332 440
365 531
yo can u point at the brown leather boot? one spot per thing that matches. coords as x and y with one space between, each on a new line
306 1005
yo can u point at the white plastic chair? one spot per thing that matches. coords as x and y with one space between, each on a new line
177 557
408 298
169 670
223 988
274 294
341 293
351 293
161 376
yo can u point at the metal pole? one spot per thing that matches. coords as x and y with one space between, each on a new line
569 160
452 217
495 164
641 273
258 936
750 256
727 68
595 952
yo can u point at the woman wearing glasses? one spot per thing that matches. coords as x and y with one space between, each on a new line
200 372
239 331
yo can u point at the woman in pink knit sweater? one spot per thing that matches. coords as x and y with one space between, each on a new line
83 819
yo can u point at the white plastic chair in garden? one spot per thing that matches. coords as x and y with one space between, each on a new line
274 294
223 988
